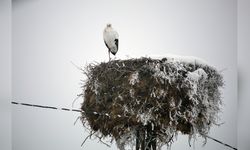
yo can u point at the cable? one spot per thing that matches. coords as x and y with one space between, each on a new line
96 113
46 107
221 142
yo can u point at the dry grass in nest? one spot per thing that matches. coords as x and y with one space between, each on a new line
125 96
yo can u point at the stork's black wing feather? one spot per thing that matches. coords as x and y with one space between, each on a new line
116 43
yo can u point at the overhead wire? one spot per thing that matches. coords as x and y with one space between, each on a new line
96 113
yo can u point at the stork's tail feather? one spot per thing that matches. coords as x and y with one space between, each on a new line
113 53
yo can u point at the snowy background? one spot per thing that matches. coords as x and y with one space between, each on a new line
48 34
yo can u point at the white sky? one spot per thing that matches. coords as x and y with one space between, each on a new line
48 34
243 74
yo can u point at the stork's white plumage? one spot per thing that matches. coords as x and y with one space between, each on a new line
110 37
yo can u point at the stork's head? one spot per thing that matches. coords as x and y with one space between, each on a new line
108 25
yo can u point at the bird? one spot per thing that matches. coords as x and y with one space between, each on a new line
111 37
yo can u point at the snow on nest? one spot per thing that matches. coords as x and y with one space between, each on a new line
197 75
172 57
134 78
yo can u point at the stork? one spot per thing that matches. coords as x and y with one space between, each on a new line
110 37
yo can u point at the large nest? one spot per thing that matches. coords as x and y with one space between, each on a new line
123 97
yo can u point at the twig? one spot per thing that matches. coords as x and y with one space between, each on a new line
77 119
78 96
104 143
76 66
87 138
100 140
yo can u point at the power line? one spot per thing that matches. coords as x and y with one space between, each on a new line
221 142
46 107
96 113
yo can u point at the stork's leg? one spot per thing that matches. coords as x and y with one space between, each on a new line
109 55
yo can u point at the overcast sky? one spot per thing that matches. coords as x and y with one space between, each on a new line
48 34
5 77
243 74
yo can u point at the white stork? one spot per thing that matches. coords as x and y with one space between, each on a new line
110 37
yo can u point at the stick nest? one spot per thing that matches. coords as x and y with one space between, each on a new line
124 96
